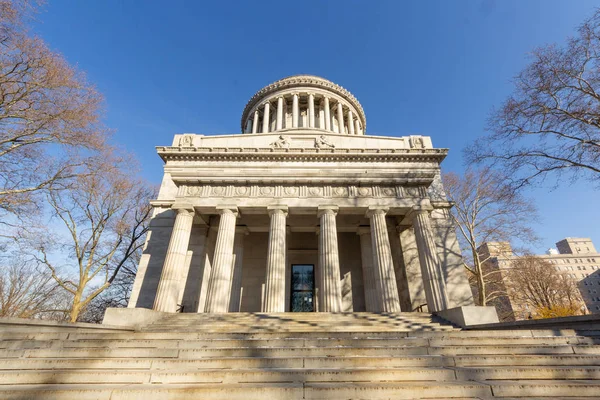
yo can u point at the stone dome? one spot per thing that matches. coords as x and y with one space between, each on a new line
303 102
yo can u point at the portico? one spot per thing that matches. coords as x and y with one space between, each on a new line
301 215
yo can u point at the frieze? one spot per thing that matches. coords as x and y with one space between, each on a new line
302 191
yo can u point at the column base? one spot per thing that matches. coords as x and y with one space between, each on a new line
469 315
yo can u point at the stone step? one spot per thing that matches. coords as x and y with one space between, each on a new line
274 351
291 329
463 335
445 390
297 391
238 375
298 362
555 388
262 375
288 391
293 342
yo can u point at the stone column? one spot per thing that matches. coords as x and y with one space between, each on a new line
366 252
255 122
327 113
340 117
321 116
266 118
311 110
433 277
169 288
274 299
217 300
295 110
356 126
279 113
329 261
236 274
350 123
385 278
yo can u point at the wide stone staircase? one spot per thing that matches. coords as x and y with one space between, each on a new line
296 356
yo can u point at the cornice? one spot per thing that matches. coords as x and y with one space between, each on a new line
169 153
303 81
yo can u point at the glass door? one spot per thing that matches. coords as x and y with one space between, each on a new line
303 288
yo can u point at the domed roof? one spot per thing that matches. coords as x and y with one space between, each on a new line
303 81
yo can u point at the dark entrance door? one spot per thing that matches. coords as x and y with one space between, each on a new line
303 288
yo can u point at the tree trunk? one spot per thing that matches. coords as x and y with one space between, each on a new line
76 307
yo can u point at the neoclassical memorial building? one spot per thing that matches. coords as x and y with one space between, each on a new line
301 212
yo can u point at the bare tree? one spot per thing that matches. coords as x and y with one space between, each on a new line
27 292
48 113
535 282
486 209
117 295
551 123
106 214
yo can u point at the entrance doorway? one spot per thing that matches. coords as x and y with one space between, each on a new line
303 288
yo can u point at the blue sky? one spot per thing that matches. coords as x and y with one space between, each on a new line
418 67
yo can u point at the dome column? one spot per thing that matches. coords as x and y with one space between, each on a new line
350 123
327 113
279 113
255 122
311 110
295 111
265 128
357 126
340 117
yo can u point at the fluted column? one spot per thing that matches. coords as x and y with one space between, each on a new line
340 117
295 111
167 293
366 252
274 300
433 277
356 126
236 273
329 261
385 277
350 123
279 113
217 300
311 110
255 122
266 118
327 114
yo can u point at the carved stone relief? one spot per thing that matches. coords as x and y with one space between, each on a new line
302 191
186 141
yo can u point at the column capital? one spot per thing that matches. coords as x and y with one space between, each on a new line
327 210
227 209
375 210
277 208
423 208
181 208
